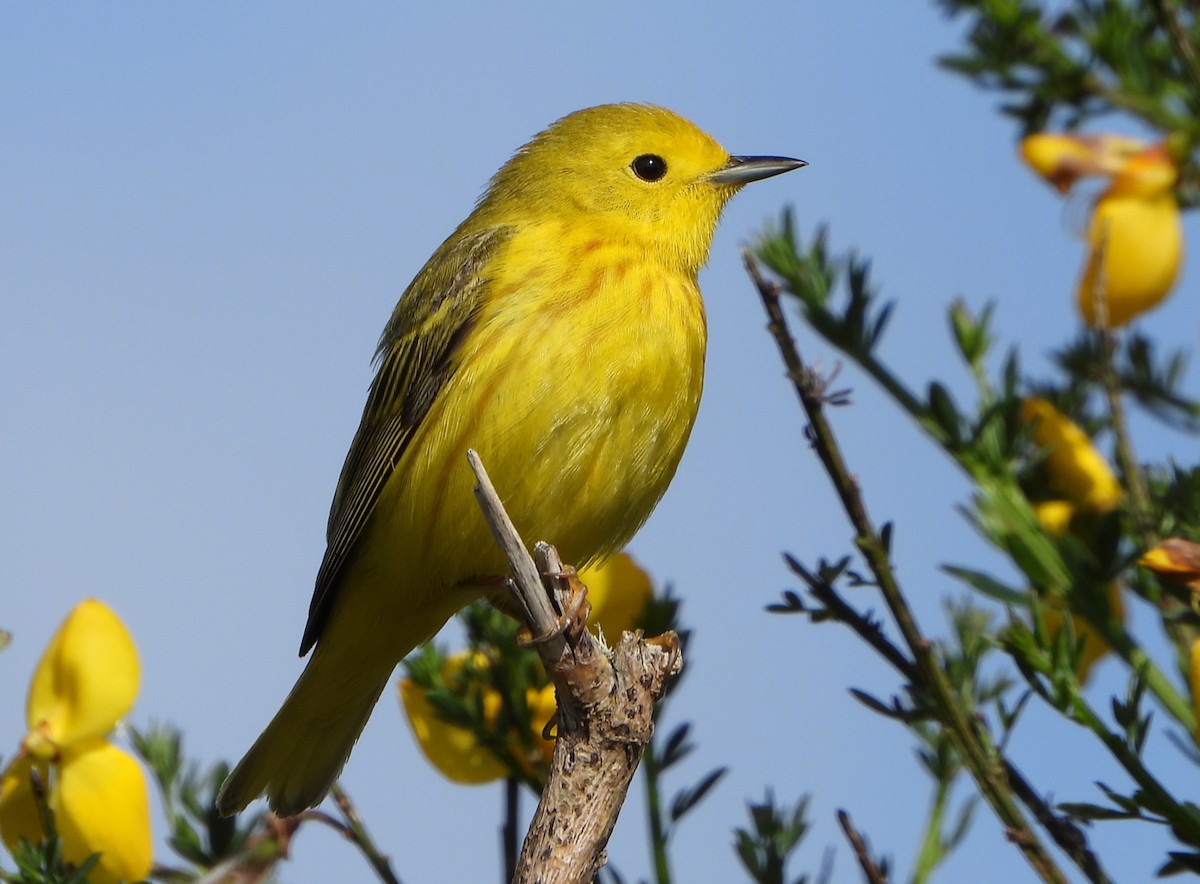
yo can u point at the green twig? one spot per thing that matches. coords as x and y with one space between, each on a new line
658 831
978 755
1135 480
357 832
871 872
1184 824
1069 838
932 851
1168 15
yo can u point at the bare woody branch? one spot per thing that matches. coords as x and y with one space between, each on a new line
605 706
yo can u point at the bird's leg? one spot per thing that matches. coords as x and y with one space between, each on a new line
569 596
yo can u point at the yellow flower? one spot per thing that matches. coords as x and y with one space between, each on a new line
1176 559
1078 472
1135 242
1075 469
1055 516
1194 683
1063 159
456 751
542 707
618 591
1135 238
85 682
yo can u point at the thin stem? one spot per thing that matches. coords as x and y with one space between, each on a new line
1143 517
1135 480
510 833
1118 638
871 872
658 834
978 755
1168 14
932 850
357 832
1068 836
1185 825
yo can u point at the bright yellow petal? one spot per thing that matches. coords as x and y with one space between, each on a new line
1194 683
19 818
101 805
85 682
1135 242
1175 558
1064 159
542 707
618 591
1060 159
1054 515
1076 469
453 750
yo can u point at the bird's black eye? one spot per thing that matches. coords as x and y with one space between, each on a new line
649 167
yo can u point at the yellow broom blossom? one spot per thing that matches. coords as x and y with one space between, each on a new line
455 751
1176 559
85 682
1077 472
1135 238
543 705
1135 242
1055 516
1194 683
1063 159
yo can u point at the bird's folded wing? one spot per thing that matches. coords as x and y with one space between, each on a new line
417 354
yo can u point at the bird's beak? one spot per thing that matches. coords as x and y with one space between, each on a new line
743 170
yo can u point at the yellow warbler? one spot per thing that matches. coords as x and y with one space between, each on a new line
559 332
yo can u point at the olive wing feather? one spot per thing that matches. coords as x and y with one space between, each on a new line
417 354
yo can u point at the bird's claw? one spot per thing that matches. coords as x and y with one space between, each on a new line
573 619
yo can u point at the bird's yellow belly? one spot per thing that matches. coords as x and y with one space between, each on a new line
580 409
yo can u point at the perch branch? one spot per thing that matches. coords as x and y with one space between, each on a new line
605 707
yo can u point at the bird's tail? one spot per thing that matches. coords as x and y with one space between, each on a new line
302 751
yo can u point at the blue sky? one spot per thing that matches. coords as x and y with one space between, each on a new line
207 212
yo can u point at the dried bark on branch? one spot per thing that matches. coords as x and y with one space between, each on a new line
605 699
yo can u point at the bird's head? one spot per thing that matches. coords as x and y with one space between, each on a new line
636 171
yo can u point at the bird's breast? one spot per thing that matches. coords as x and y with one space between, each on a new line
578 385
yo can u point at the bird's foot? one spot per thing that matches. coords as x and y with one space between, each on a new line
571 598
